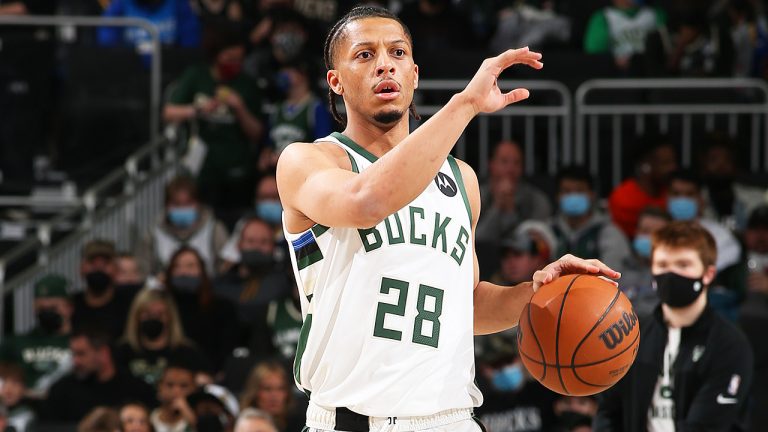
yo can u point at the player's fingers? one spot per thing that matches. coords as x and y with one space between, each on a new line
541 277
604 269
514 56
516 95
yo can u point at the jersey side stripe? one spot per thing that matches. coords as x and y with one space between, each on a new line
460 181
307 251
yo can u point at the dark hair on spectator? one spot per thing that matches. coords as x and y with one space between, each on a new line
217 37
575 172
653 211
205 291
337 33
12 371
178 184
687 176
181 364
513 142
744 7
647 145
97 337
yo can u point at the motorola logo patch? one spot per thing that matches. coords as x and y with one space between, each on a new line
446 185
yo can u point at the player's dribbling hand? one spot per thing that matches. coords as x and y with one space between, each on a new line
569 264
483 92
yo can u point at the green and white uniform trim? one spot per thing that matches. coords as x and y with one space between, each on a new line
388 310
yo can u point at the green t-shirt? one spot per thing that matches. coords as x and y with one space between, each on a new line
600 37
44 357
228 147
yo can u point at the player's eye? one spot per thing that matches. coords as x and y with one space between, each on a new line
365 55
399 52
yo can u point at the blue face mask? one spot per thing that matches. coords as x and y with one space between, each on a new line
283 82
682 208
642 245
574 204
509 378
182 217
270 211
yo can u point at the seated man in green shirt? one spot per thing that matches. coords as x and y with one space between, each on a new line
225 105
620 29
44 351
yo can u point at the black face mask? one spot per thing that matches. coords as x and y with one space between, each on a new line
151 328
209 423
98 282
256 261
49 320
186 283
572 419
130 286
677 291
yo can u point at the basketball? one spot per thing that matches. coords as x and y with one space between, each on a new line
578 335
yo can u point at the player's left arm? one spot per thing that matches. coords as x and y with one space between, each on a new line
497 308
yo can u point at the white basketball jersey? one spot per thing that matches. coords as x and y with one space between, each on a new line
388 311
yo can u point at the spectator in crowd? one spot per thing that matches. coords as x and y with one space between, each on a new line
756 243
43 353
174 413
254 420
129 272
4 419
729 201
100 419
526 24
101 304
575 413
214 407
134 417
94 381
20 410
635 269
269 210
579 228
154 338
299 116
506 198
621 29
693 47
177 24
232 13
530 248
750 39
754 311
437 27
256 280
186 221
693 369
512 400
656 161
210 321
268 389
277 330
226 106
686 202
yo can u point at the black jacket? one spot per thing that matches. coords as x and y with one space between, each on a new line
712 376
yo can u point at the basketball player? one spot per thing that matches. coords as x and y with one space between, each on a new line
381 223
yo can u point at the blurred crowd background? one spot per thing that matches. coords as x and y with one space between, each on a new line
193 326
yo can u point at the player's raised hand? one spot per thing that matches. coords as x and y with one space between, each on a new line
569 264
483 91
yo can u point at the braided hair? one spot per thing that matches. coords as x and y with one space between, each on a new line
337 32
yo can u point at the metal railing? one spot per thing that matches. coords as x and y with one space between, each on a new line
555 112
749 97
117 207
154 50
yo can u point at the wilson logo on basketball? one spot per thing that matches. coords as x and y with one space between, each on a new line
620 329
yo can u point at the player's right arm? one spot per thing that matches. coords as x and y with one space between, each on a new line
314 185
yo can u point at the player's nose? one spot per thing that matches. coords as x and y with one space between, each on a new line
385 67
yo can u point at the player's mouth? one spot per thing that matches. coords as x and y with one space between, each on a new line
387 90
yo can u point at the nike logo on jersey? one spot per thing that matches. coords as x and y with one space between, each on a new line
446 185
722 400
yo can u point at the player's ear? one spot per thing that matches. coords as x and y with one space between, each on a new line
709 275
415 76
334 83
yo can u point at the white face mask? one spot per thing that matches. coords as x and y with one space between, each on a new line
757 262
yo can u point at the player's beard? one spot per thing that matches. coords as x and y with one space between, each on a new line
388 117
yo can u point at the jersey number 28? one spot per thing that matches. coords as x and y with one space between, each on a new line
398 309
